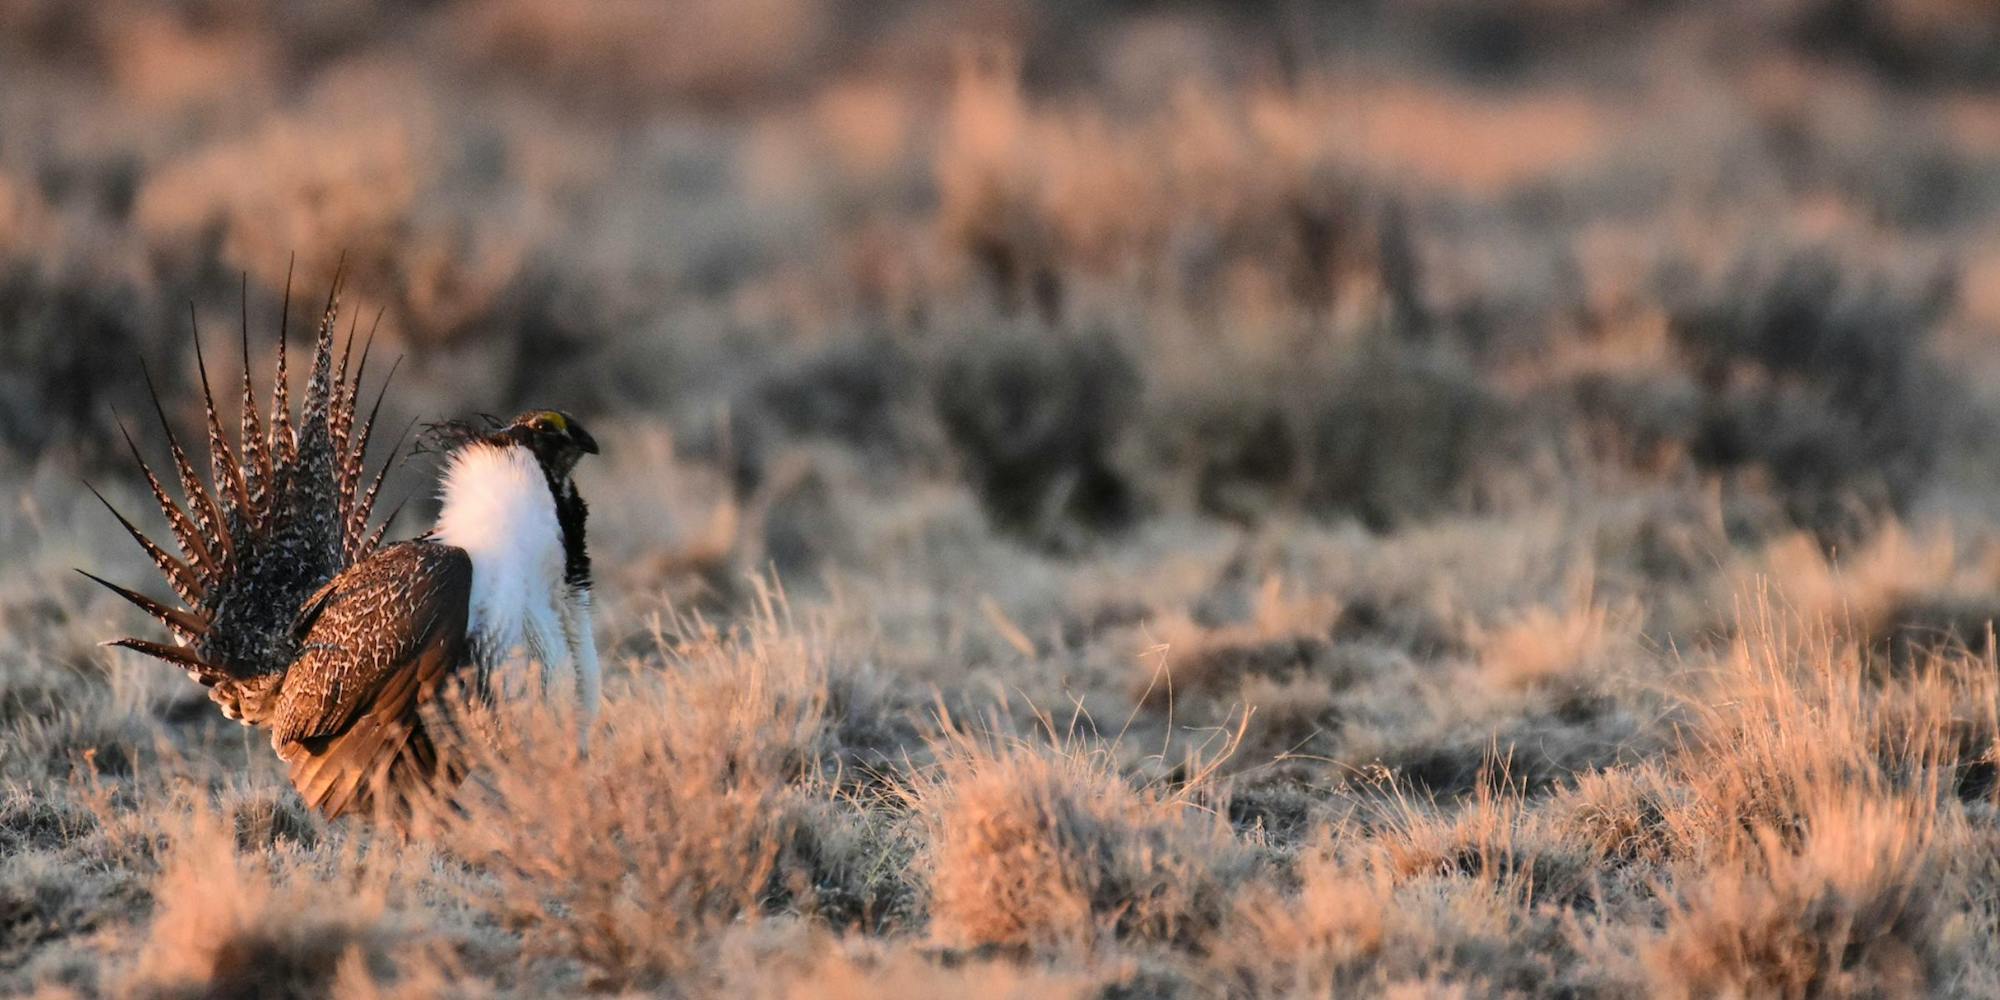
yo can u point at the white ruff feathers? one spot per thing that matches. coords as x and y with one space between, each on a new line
497 507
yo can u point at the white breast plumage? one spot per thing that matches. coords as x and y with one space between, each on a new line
498 508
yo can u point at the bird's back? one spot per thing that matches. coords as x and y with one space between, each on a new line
376 645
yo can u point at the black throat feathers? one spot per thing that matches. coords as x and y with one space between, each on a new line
571 512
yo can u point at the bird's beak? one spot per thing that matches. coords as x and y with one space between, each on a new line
584 441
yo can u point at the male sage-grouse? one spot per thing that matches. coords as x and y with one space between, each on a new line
299 620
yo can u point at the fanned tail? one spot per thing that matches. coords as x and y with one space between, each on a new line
281 513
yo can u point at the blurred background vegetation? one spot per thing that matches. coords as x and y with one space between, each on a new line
1501 496
1362 260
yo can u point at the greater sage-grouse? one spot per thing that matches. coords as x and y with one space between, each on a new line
299 620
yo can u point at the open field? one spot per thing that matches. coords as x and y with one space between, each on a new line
1099 499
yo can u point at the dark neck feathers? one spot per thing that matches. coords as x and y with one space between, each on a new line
571 512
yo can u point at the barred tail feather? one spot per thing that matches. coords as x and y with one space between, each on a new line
186 625
187 535
284 442
254 462
209 540
362 508
341 410
177 573
223 467
374 540
282 512
209 674
242 699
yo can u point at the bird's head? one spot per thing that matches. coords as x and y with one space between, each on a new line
554 437
557 439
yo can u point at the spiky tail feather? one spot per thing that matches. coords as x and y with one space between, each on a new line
281 514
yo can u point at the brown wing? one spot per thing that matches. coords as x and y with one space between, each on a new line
377 642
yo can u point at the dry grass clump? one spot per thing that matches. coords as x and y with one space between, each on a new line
44 899
1859 588
1904 596
807 966
1780 758
223 926
1809 847
671 828
28 823
847 865
1480 900
1046 849
1848 906
73 736
1319 939
1355 927
1547 646
1279 665
1620 817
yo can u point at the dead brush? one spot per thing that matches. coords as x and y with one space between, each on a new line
791 962
1795 712
628 860
1497 839
1617 816
1818 815
1286 629
1049 848
224 925
1313 941
1851 910
1407 891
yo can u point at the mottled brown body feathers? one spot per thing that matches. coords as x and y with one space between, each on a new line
383 638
